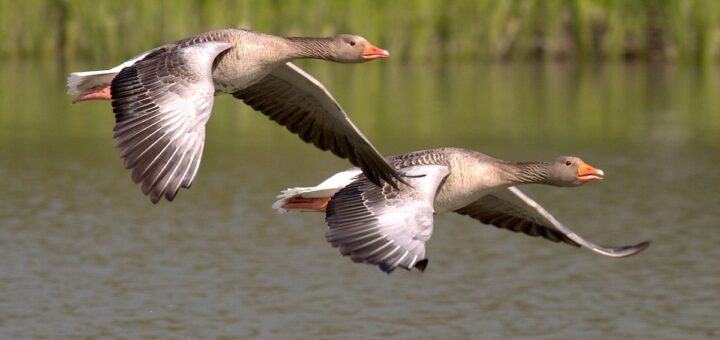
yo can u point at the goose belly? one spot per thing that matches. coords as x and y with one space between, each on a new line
243 66
229 81
462 188
447 201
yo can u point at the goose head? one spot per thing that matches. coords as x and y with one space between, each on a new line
570 171
349 48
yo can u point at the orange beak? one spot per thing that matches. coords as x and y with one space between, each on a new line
587 173
371 52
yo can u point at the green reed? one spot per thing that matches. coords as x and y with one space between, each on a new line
418 30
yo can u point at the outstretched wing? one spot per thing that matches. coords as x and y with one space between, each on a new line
296 100
513 210
385 226
161 105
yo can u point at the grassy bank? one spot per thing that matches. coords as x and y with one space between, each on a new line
419 30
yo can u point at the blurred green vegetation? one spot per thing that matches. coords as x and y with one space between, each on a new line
418 30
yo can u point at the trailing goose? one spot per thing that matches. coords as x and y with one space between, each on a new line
162 99
388 227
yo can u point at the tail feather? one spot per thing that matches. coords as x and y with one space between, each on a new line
327 188
288 194
79 82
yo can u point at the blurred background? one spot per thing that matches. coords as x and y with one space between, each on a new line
424 30
632 87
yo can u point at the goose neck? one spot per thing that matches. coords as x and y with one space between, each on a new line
527 172
314 48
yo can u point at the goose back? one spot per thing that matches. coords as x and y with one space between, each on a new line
253 56
472 175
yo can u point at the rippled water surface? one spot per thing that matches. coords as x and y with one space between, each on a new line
84 253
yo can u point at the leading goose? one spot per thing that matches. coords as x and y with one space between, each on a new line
388 227
162 99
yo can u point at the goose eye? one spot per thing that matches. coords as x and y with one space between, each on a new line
352 43
568 163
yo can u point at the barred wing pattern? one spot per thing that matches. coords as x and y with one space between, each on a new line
385 226
161 105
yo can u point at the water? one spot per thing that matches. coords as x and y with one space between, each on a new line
83 253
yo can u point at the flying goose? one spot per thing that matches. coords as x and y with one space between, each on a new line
388 227
162 99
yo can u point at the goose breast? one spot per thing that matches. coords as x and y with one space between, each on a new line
469 179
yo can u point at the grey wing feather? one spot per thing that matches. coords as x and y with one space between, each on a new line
296 100
161 105
513 210
385 226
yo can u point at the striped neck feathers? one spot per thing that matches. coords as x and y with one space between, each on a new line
528 172
313 48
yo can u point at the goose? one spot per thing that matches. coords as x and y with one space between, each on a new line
162 99
388 227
